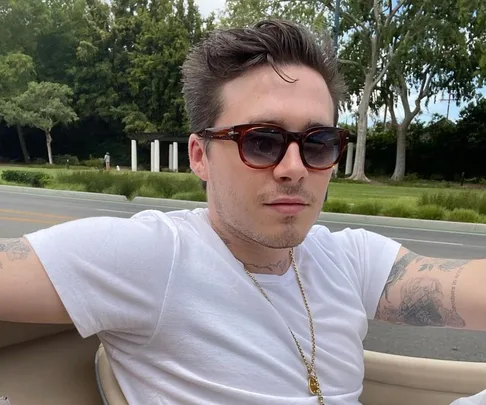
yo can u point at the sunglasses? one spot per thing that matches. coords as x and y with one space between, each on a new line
262 146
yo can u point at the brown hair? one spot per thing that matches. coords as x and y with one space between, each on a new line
228 53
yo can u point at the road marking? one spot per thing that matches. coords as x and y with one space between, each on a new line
429 241
35 214
31 220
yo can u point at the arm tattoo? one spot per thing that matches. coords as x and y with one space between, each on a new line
422 304
15 249
441 264
398 271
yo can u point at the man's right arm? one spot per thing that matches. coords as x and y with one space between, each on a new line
26 293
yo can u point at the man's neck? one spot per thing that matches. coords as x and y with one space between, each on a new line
255 257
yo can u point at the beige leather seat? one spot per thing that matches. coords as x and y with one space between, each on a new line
110 391
399 380
389 380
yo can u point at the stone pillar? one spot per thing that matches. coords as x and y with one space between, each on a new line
175 152
171 157
157 156
349 159
152 155
134 155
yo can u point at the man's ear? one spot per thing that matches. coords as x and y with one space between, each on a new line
197 157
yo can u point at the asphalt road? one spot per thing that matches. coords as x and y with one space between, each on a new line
22 213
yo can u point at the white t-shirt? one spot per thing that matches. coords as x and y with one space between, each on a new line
183 323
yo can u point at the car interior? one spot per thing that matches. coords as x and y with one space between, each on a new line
53 365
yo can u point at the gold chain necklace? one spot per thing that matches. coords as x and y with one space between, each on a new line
312 379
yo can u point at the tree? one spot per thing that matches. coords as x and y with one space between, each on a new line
240 13
435 59
16 70
44 105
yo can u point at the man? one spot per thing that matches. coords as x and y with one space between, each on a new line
106 161
246 302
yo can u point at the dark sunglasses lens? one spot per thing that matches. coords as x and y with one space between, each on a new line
322 148
262 146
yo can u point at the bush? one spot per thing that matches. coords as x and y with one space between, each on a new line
400 211
337 206
430 211
190 196
367 208
62 160
468 199
162 185
463 215
93 162
34 179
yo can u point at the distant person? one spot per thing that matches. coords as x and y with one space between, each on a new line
106 161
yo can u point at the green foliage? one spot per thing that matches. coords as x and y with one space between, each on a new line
367 208
462 215
398 210
191 196
30 178
337 206
64 160
163 185
430 211
475 201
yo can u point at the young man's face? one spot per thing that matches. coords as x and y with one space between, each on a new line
240 197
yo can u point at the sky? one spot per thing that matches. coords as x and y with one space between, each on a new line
437 107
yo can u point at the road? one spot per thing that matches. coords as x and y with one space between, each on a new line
22 213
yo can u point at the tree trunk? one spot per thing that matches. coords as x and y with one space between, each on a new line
399 173
23 145
359 162
400 162
49 150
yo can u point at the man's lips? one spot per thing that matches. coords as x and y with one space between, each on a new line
288 201
288 206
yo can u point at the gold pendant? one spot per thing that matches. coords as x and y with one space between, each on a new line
313 385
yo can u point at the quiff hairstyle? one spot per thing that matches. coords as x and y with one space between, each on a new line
226 54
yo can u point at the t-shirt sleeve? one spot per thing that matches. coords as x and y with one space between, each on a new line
373 256
110 273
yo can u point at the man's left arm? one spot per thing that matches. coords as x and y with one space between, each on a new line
424 291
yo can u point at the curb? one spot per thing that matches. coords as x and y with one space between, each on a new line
404 223
64 193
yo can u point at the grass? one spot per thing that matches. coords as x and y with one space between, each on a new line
451 203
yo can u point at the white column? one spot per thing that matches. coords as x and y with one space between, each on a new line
152 153
349 159
175 152
157 156
134 155
171 156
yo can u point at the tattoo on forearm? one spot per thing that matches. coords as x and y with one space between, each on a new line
398 271
279 267
15 249
441 264
422 304
453 290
